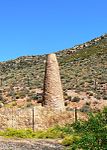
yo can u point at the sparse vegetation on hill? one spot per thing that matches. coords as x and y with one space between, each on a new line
83 68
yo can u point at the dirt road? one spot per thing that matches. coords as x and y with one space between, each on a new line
28 144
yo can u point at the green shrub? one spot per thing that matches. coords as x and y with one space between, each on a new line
34 97
29 104
105 97
93 132
90 94
10 132
76 99
85 108
88 103
55 132
97 96
69 140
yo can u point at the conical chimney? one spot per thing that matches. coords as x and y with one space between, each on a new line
53 93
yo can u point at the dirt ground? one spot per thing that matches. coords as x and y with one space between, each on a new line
28 144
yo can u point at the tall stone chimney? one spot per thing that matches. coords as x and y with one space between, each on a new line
53 93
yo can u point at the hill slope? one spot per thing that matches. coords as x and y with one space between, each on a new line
83 68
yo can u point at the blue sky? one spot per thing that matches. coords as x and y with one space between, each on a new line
31 27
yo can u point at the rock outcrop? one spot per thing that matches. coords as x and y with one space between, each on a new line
53 93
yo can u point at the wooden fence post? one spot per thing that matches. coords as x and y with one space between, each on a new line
1 81
33 118
75 114
12 118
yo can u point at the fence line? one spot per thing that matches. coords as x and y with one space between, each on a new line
30 118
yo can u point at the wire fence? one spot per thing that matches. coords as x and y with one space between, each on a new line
34 118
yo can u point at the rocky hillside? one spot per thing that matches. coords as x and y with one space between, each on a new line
83 69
